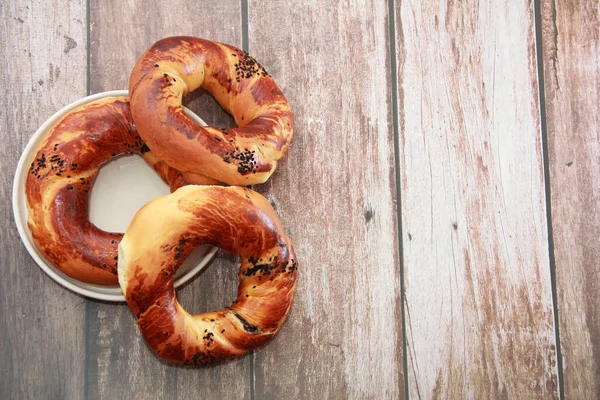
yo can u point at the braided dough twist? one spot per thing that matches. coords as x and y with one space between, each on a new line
159 238
175 66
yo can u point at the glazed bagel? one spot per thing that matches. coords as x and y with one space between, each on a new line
175 66
166 230
59 185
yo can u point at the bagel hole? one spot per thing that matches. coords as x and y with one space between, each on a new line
206 107
215 287
122 187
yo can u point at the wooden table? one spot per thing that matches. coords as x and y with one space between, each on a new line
441 190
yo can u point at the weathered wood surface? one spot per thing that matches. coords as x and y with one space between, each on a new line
478 309
42 326
478 293
118 360
571 48
336 194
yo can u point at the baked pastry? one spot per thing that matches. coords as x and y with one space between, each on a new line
175 66
59 183
166 230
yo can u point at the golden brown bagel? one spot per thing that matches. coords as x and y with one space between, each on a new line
59 183
174 66
166 230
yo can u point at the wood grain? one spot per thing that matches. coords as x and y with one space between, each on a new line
118 360
335 192
41 323
571 49
479 313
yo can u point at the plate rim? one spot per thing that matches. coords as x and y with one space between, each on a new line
25 235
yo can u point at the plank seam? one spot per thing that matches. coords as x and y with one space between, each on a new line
396 133
244 7
88 84
244 12
546 162
89 47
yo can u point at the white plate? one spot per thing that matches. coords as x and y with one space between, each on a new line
121 188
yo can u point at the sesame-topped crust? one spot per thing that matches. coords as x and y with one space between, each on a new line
175 66
166 230
58 187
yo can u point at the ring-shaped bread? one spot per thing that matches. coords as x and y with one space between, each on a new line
175 66
166 230
59 183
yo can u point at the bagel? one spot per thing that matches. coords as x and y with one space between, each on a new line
166 230
175 66
58 187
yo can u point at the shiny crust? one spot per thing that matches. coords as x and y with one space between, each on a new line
245 155
59 183
166 230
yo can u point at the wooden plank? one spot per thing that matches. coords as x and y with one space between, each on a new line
43 49
479 313
571 49
335 192
118 360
